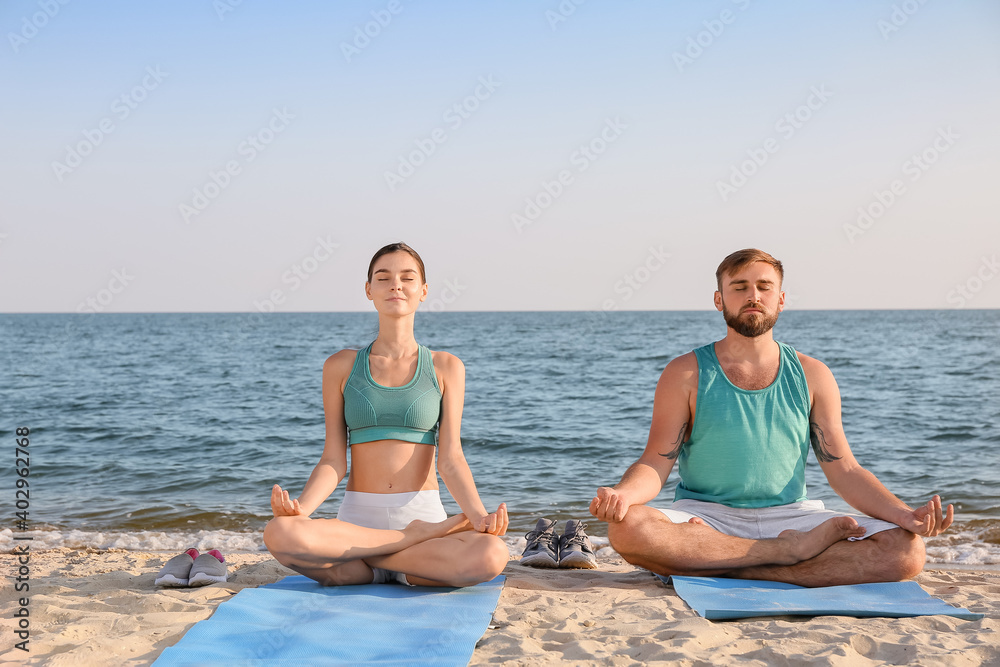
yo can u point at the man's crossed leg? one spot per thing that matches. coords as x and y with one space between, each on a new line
824 555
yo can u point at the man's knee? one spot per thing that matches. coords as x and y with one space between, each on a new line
914 555
904 553
630 535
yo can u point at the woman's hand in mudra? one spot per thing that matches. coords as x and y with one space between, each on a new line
282 505
495 523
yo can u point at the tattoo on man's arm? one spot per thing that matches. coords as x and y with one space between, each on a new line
819 444
678 443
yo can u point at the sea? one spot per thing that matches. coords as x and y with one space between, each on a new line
162 431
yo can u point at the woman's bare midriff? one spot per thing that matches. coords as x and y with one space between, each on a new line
392 466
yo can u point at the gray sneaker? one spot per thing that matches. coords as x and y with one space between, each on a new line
208 568
543 545
176 570
575 549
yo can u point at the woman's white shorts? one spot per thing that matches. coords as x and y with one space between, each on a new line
390 511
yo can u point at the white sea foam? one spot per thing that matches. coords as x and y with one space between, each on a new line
961 548
226 541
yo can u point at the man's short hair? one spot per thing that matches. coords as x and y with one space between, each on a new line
741 259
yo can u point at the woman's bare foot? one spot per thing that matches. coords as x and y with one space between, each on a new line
425 530
803 545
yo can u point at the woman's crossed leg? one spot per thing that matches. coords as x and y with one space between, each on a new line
337 553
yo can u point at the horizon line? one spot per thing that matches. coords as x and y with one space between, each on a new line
445 312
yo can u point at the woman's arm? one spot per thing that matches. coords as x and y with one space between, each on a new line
452 466
332 466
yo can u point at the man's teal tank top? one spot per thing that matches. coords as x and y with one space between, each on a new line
747 448
376 412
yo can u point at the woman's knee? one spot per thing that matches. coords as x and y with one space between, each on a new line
283 535
486 557
497 557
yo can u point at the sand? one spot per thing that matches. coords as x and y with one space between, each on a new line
91 607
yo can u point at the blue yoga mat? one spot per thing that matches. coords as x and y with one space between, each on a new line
717 598
298 622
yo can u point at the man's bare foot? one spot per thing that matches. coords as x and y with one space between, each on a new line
425 530
805 545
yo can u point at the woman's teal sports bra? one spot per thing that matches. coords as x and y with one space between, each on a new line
409 413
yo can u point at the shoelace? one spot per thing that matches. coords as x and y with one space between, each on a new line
535 535
579 538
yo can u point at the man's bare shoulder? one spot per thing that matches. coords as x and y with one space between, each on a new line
814 369
682 369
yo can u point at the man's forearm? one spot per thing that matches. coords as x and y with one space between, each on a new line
864 492
639 484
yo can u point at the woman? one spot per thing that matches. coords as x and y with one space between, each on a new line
386 402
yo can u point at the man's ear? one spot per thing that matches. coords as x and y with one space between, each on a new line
718 300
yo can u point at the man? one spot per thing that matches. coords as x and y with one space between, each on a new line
739 416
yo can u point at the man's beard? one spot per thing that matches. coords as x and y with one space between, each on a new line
750 325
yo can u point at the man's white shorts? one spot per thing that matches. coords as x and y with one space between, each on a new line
766 522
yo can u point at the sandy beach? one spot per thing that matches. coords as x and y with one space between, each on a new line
91 607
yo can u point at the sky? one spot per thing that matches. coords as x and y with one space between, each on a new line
241 156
